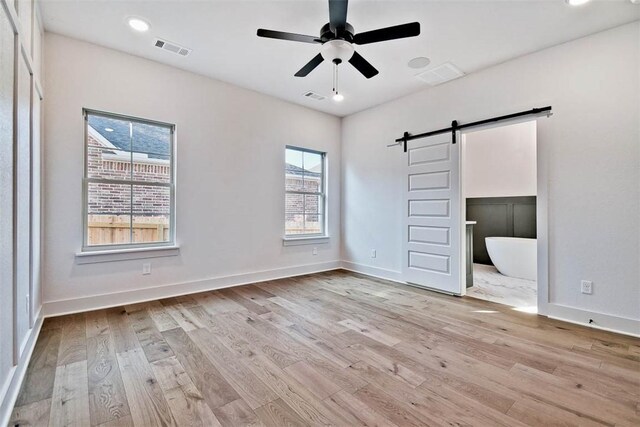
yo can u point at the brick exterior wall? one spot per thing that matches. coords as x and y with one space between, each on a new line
115 199
301 211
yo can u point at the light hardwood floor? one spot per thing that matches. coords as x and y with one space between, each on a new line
331 348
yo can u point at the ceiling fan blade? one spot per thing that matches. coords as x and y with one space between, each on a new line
337 15
363 65
389 33
311 65
270 34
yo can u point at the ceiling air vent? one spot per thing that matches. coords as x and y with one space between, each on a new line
440 74
314 96
172 47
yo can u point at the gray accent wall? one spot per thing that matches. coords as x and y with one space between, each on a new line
500 217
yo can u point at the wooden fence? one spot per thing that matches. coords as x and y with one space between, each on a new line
114 229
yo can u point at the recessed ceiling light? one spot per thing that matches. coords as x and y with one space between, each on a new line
138 24
338 97
635 1
419 62
108 130
576 2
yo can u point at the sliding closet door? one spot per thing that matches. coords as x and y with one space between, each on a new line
23 205
7 44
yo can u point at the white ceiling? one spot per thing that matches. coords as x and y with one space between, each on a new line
471 34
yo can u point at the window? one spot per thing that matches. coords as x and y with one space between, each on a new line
305 194
128 184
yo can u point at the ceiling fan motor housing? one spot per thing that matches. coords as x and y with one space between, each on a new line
337 51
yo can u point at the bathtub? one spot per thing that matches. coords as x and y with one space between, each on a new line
513 256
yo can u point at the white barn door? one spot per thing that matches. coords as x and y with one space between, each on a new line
432 223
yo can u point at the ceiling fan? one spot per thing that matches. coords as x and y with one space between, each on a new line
337 39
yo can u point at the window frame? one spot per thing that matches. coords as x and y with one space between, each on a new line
171 242
322 194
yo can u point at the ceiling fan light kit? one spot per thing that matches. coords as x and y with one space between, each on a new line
337 38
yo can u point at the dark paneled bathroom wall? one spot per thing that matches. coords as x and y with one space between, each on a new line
500 217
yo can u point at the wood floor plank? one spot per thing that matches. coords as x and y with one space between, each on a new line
185 400
387 406
535 413
365 415
107 397
245 302
146 400
181 314
34 414
120 422
96 323
70 400
123 335
73 345
253 391
312 379
332 348
279 414
161 318
215 389
294 394
237 413
41 372
149 337
370 332
327 367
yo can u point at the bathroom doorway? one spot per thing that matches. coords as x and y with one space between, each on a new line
499 188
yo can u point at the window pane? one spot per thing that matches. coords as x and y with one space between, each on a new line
313 224
293 158
109 214
151 214
293 179
294 203
151 169
109 132
312 183
151 153
108 163
312 163
293 169
294 223
151 139
313 204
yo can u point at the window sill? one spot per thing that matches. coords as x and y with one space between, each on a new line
110 255
311 240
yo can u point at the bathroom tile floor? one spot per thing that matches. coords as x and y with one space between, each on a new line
490 285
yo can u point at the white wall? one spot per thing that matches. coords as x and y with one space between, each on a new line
230 176
500 161
589 150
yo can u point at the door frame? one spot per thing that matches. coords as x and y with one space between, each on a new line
542 207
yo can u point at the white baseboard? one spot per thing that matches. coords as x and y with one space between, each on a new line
95 302
16 376
606 322
369 270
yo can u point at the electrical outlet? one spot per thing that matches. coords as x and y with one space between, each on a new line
146 268
373 253
315 251
586 287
